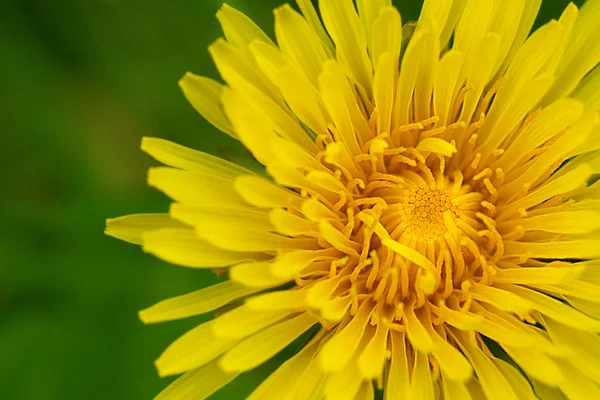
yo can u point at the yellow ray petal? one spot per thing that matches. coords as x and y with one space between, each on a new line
454 390
421 386
576 385
256 349
436 145
537 365
386 36
204 217
177 156
532 276
243 321
299 42
204 94
195 188
492 381
195 303
569 222
343 24
338 351
256 275
397 382
446 84
311 16
131 228
344 384
552 120
238 28
198 384
555 309
584 348
252 130
191 350
383 91
277 385
271 110
285 299
503 299
290 224
372 358
183 247
515 378
341 105
263 193
300 94
564 249
567 182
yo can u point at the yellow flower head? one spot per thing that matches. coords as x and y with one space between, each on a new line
429 217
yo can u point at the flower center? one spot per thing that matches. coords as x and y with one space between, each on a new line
420 213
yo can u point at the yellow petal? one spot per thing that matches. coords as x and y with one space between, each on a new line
338 351
204 94
503 299
565 183
238 28
416 332
492 381
131 228
545 275
515 378
372 358
191 350
195 188
177 156
311 16
183 247
263 193
343 25
436 145
564 249
277 385
243 321
204 217
555 309
397 383
299 42
341 105
198 384
256 275
552 120
383 91
576 385
256 349
537 365
253 131
584 348
422 382
446 84
195 303
386 36
281 300
290 224
569 222
299 93
230 237
454 390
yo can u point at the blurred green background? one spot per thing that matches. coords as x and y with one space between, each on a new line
81 81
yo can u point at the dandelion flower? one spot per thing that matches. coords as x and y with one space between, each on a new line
430 216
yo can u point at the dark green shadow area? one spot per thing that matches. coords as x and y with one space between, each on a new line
81 82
